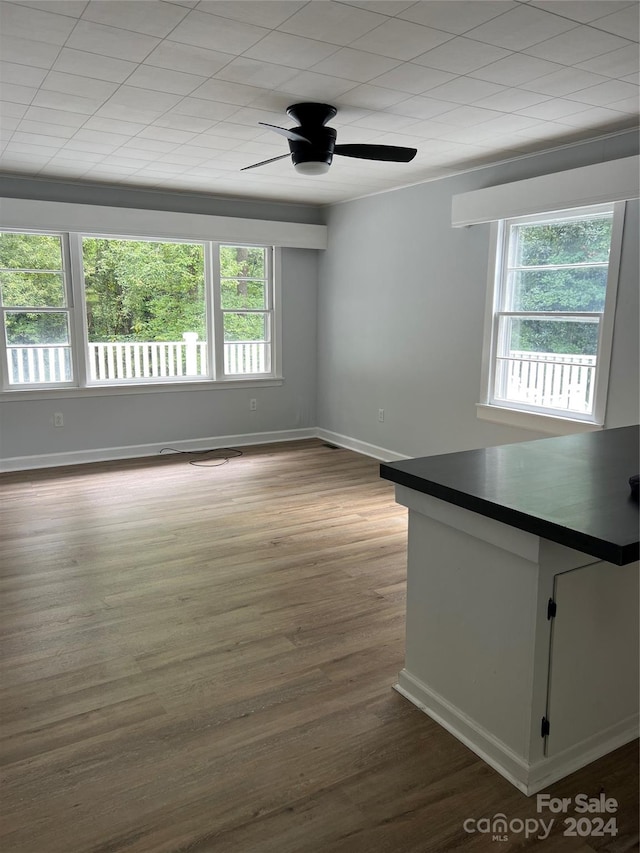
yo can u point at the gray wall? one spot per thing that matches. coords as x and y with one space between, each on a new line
401 303
97 423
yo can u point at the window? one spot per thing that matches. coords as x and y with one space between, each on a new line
551 325
133 310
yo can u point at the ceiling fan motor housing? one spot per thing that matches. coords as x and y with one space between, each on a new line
319 148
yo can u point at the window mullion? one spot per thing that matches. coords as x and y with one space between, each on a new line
217 347
78 314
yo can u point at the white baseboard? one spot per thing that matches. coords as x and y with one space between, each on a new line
528 778
107 454
358 446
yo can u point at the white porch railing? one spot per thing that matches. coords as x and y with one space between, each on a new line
550 380
112 361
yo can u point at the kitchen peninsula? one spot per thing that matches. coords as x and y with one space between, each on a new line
522 599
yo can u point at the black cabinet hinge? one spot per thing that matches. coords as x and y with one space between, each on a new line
544 727
552 609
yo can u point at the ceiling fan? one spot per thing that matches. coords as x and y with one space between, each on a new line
312 145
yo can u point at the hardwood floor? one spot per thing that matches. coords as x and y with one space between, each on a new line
202 658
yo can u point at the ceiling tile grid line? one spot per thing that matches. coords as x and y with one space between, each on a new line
165 94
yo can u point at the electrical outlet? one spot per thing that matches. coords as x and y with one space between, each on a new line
253 404
58 420
381 415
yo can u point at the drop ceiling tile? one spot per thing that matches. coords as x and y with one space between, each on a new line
412 79
213 140
386 122
72 8
384 7
179 159
616 63
200 108
461 55
92 65
252 72
184 122
133 15
465 90
111 125
112 140
582 11
41 127
555 108
140 154
253 11
515 69
455 17
236 131
38 139
623 23
117 161
12 110
74 84
166 134
148 100
122 112
400 39
606 94
314 86
578 45
371 97
21 75
420 107
164 80
469 115
508 124
17 94
64 101
110 41
593 117
294 51
564 82
511 100
28 51
355 65
23 22
91 147
55 116
331 22
520 28
227 93
23 150
216 33
188 58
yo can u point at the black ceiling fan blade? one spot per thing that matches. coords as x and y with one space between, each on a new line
264 162
391 153
284 131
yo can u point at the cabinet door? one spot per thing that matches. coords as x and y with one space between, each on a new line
593 677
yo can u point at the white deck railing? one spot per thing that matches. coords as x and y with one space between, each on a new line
132 360
550 380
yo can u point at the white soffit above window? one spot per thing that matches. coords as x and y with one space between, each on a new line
95 219
616 180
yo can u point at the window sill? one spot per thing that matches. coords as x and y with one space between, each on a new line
138 388
535 421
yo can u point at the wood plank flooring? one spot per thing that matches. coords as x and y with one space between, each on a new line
201 659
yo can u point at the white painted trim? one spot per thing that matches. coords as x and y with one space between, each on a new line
534 421
485 745
358 446
528 778
134 222
106 454
615 180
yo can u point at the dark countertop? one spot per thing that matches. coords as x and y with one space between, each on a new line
573 489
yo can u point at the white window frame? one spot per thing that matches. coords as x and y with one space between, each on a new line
73 272
525 415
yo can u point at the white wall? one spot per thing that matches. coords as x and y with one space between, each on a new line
401 303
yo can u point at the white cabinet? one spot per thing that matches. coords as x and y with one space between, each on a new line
484 659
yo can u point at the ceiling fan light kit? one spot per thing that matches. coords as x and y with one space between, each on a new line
312 145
